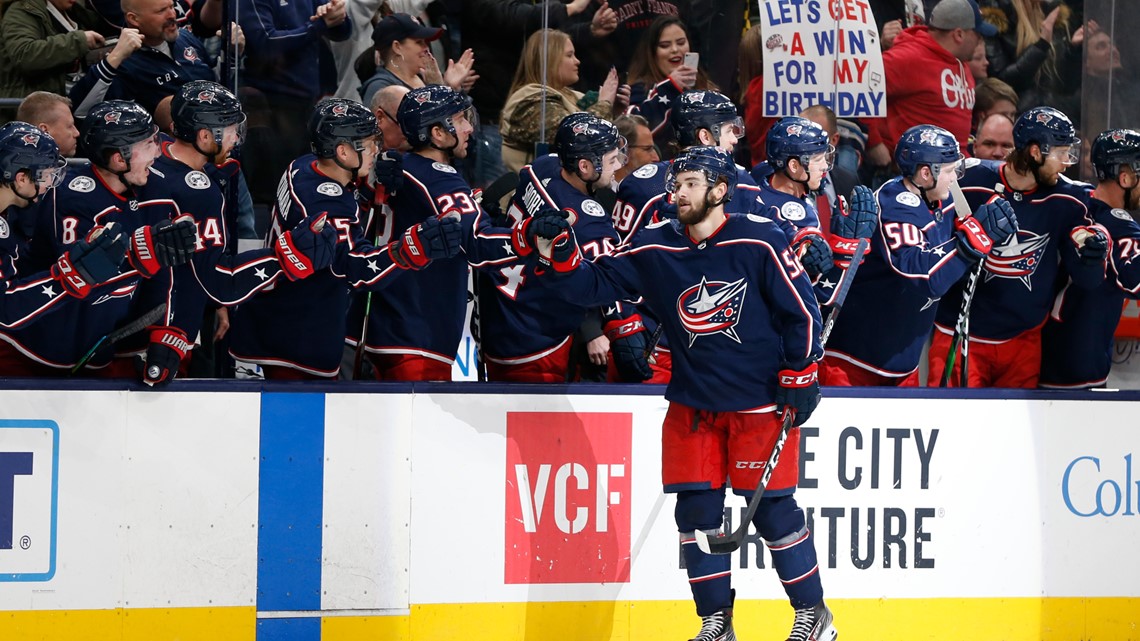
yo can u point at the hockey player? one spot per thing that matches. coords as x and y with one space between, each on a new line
415 328
527 331
119 141
739 311
344 136
921 248
208 125
1076 350
1016 289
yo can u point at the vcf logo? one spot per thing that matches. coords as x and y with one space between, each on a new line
567 497
29 469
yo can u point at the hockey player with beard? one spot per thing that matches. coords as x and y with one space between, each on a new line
527 331
1077 343
345 141
920 250
208 125
739 310
1054 242
119 140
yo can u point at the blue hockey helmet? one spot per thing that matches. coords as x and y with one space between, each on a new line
24 148
715 162
425 107
202 104
698 110
337 120
798 138
1114 149
1047 127
584 136
113 126
927 145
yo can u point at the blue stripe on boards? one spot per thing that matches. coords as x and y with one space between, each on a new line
300 629
289 509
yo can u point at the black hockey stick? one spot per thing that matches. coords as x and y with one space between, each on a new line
130 329
654 338
962 324
729 543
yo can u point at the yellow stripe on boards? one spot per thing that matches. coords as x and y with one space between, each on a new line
143 624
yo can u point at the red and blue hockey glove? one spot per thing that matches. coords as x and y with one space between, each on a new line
992 224
561 253
627 342
166 243
432 239
798 387
307 248
813 251
168 346
1091 243
91 261
388 172
849 225
546 223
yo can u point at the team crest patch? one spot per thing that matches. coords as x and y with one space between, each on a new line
593 208
3 227
646 171
756 218
197 180
792 210
31 140
1121 214
189 54
1018 258
712 307
908 199
82 184
330 189
444 167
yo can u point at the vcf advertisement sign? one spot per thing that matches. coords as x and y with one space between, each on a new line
568 497
29 471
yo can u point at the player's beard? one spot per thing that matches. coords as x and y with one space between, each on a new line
1043 179
697 213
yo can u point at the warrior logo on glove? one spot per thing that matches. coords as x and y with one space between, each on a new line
712 307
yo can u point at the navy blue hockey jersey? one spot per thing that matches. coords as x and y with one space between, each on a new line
423 312
735 306
1076 343
1021 277
520 323
913 261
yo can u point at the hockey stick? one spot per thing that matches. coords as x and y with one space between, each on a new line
358 357
131 328
729 543
962 325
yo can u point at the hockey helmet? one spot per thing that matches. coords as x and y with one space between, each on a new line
715 162
927 145
337 120
202 104
798 138
115 125
1113 149
1047 127
425 107
698 110
24 148
585 136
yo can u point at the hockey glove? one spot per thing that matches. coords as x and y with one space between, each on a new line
1091 243
627 342
561 253
545 223
168 346
798 387
388 172
848 226
91 261
431 239
307 248
813 252
163 244
997 220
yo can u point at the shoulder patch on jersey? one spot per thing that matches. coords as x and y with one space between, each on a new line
1121 214
330 189
660 223
82 184
973 162
3 227
757 218
792 210
593 208
197 180
444 167
908 199
646 171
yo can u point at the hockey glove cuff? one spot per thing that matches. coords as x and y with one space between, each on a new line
306 249
813 252
168 346
1091 242
561 253
858 221
91 261
164 244
972 238
798 387
628 344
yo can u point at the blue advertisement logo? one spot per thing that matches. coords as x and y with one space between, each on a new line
29 490
1088 493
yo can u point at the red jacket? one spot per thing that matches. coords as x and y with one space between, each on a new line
926 84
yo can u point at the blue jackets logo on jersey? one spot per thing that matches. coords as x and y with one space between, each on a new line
712 308
1017 259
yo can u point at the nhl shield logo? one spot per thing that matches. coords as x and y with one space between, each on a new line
31 140
712 307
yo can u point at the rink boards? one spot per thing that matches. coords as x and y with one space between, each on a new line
440 514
